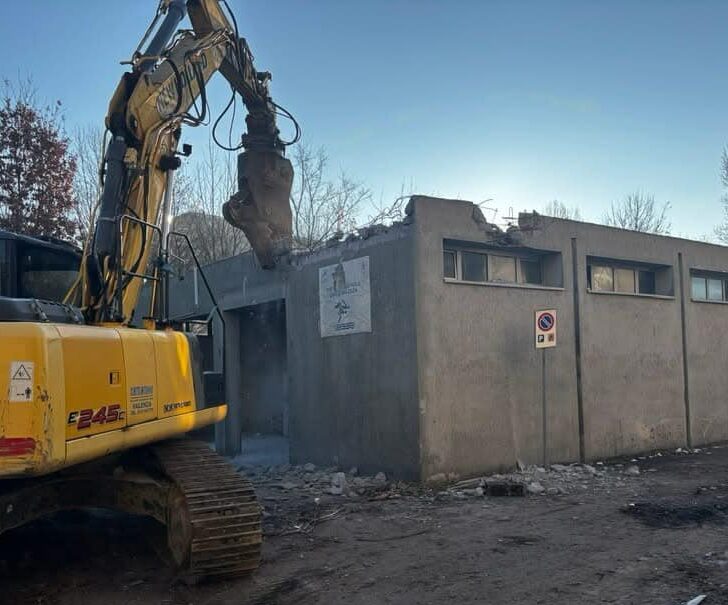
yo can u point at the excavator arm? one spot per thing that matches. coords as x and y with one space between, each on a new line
151 104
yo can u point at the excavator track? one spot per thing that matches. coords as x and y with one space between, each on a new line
213 517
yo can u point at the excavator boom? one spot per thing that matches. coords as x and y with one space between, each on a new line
150 106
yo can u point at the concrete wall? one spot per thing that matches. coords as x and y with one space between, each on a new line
449 381
480 377
236 282
632 365
353 398
481 392
706 327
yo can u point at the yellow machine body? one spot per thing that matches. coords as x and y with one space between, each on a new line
74 393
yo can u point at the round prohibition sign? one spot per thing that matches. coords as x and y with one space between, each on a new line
546 321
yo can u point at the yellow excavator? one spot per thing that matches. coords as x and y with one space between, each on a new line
94 412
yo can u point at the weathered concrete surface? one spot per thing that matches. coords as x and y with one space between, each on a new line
480 376
707 354
449 380
632 362
353 398
237 282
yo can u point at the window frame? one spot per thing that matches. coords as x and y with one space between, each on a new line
706 276
637 269
446 251
500 257
488 253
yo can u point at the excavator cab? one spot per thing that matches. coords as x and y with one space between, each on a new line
38 268
35 275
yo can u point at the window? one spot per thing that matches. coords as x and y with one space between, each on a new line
477 263
46 273
449 263
602 278
604 275
715 289
698 288
473 266
501 268
530 272
4 269
709 286
646 282
624 280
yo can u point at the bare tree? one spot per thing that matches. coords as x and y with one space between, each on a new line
199 195
721 231
388 212
639 212
322 208
558 209
87 145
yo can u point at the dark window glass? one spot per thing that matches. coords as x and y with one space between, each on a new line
473 266
647 282
46 274
448 261
530 272
4 269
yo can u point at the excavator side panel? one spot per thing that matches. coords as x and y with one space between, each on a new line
174 369
141 376
93 364
70 393
32 399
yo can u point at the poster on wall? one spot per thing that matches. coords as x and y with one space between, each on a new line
345 302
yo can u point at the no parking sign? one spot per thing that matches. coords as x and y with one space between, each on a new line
545 328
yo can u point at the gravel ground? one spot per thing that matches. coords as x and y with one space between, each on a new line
642 531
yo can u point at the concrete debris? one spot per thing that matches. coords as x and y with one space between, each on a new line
339 486
535 488
552 480
555 479
469 483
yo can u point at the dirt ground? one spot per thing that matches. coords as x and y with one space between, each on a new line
657 537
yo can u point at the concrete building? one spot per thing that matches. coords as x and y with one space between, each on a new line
413 350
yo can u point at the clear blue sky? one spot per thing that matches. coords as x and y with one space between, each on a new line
522 102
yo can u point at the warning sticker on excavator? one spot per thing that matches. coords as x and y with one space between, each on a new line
21 381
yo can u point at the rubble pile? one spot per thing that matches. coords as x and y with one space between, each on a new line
311 480
558 479
308 480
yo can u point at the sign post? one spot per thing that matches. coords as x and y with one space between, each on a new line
545 338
